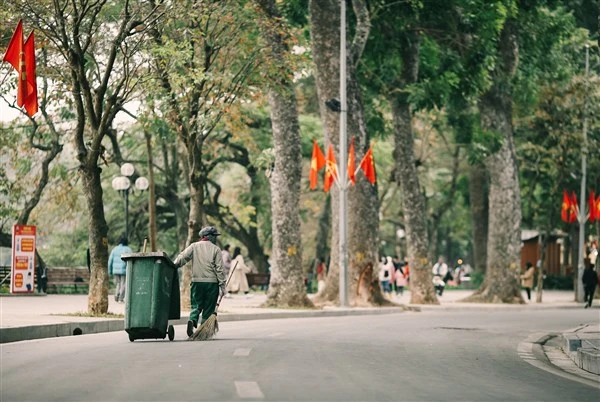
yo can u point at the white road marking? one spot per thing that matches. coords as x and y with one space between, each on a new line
242 352
248 389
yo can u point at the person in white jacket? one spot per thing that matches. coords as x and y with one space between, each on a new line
238 281
386 272
439 271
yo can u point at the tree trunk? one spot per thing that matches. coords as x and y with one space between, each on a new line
413 205
363 215
98 239
363 205
286 287
325 22
501 284
413 202
479 215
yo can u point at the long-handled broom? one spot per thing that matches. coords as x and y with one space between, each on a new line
210 327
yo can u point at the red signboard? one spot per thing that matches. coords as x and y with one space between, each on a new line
23 259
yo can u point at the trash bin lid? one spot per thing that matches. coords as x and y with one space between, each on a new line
155 255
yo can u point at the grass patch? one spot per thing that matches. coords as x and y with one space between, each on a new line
86 314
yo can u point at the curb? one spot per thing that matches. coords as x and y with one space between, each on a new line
491 307
583 348
16 334
534 351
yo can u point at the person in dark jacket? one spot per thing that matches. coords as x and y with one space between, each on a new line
590 280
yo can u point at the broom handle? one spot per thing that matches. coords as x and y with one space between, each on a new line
226 283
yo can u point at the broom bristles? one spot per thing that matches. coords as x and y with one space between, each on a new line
207 330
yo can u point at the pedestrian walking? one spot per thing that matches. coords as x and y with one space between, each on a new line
400 279
590 280
593 254
42 276
238 281
321 275
440 271
207 275
118 268
385 274
226 260
527 278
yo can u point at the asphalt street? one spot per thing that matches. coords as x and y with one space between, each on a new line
426 356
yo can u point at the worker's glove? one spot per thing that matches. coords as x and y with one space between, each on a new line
223 290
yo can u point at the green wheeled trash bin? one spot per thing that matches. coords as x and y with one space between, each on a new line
151 296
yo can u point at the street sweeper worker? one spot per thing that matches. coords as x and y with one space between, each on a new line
208 278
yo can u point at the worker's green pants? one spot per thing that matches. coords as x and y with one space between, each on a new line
204 299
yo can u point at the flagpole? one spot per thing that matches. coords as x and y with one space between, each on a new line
582 215
343 172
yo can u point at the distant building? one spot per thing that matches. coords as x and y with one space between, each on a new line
531 248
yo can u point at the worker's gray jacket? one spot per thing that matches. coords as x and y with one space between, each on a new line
207 263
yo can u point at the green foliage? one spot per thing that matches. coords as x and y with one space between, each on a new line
65 249
477 279
484 143
548 43
295 11
458 58
549 150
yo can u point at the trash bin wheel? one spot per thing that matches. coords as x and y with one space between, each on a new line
131 338
171 332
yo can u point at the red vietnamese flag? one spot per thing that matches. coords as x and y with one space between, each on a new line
351 163
330 169
368 166
591 206
15 56
573 208
317 162
566 207
31 102
597 208
15 47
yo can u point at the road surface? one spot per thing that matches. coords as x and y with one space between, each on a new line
427 356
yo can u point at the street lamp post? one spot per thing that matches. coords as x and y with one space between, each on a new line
582 215
123 184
